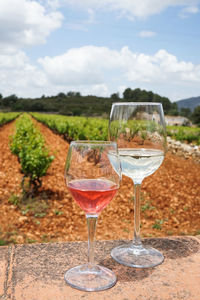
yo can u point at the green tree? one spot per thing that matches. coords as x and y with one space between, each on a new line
166 104
185 112
10 101
73 94
37 106
150 96
137 95
115 96
196 116
61 95
127 94
173 110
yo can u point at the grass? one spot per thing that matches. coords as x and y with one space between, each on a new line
58 212
40 215
126 221
8 238
158 224
147 206
36 207
169 232
126 230
31 241
14 199
3 243
45 238
37 222
184 134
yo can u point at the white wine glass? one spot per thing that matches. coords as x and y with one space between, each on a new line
140 132
93 182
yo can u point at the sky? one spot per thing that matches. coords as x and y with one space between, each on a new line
99 47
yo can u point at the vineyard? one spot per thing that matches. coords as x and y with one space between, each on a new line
39 208
74 128
7 117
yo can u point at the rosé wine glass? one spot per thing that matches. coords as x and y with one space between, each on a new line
93 182
139 130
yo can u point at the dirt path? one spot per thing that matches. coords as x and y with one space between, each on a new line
170 201
10 178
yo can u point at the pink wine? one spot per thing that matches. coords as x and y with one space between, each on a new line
92 195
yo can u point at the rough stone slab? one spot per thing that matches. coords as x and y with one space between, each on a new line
36 271
4 269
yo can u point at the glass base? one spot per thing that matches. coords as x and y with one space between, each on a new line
90 278
137 256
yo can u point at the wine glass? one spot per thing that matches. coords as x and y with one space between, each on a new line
140 132
93 182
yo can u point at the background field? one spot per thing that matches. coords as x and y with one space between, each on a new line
170 198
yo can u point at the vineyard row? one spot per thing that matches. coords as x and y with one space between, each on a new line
7 117
82 128
29 146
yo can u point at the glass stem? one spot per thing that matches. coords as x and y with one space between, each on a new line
91 225
137 240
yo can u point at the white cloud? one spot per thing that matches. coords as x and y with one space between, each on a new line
83 65
147 34
91 18
98 71
133 8
191 9
54 4
88 67
186 11
18 76
26 23
101 90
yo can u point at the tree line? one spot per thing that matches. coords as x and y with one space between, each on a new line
74 104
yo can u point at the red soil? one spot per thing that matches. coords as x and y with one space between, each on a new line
170 202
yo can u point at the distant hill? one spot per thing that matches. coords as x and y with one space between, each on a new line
190 103
74 104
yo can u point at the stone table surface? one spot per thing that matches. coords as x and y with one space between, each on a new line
36 271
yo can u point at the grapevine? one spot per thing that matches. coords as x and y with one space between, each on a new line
29 146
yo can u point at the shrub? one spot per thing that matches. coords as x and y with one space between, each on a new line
29 145
184 133
75 128
7 117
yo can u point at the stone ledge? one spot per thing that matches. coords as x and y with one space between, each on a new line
36 271
187 151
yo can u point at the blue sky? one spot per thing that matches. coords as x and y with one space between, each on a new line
99 47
